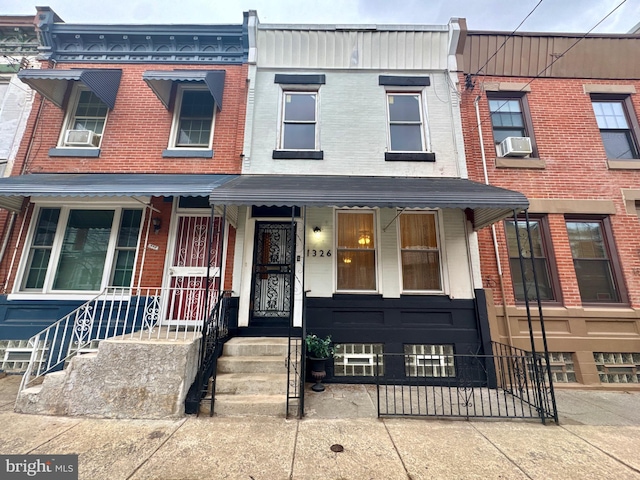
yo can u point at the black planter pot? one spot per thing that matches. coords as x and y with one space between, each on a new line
318 372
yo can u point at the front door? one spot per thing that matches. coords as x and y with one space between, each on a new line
272 274
186 299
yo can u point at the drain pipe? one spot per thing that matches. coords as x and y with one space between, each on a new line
493 227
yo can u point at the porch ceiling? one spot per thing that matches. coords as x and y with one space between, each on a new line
13 190
483 204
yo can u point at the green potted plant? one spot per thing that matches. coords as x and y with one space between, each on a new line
319 350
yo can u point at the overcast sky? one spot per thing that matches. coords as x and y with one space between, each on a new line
551 15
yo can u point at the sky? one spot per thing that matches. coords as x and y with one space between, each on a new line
504 15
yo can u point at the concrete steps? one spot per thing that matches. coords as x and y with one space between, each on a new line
251 378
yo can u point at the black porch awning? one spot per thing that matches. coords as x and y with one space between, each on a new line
13 190
52 84
484 204
161 82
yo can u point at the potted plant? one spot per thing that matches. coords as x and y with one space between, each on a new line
319 350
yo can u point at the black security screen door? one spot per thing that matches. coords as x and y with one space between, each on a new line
272 273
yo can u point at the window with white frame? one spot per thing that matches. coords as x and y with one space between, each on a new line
406 122
80 249
193 119
356 251
86 119
299 130
419 251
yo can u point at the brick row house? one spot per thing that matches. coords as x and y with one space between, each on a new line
555 116
132 128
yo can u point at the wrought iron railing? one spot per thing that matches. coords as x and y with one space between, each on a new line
296 366
214 334
118 313
509 383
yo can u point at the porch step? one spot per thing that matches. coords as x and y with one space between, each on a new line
250 405
252 383
251 378
252 364
256 346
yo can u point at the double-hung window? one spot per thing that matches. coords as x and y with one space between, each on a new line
419 251
299 121
81 250
510 117
594 260
193 119
86 118
616 126
406 122
535 255
356 250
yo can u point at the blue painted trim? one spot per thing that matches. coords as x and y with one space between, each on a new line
175 153
74 152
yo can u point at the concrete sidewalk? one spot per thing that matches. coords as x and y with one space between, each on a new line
599 437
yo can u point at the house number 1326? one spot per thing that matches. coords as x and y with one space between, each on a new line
318 253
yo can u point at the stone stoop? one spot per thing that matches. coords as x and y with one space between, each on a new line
251 378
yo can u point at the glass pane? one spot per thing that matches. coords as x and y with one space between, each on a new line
84 250
123 269
46 229
406 138
299 136
356 270
196 118
300 107
197 103
404 108
89 105
129 228
38 264
355 230
586 240
194 133
610 115
618 144
507 120
504 106
595 281
536 238
420 270
542 272
418 231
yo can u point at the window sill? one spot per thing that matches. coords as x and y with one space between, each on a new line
623 164
74 152
298 155
186 153
509 162
409 157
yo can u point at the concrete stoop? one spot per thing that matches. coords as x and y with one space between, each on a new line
251 378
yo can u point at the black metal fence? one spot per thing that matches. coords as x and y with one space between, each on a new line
509 383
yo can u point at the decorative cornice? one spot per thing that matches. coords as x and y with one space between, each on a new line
201 44
18 36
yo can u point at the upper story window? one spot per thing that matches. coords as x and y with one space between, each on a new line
356 251
81 250
86 119
406 122
619 137
419 251
536 252
510 119
193 119
299 121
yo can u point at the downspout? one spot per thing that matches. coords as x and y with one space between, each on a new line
15 250
493 227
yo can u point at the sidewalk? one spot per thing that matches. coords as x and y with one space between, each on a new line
599 437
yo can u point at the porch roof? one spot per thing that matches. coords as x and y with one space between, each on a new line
483 204
13 190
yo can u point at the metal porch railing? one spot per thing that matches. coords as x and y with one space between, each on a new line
214 334
509 383
117 312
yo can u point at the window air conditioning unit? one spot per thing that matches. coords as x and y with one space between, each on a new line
515 147
81 138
